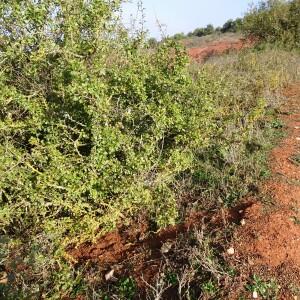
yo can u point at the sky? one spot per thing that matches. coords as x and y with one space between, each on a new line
185 15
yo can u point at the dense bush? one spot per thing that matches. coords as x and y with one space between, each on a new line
232 25
274 21
209 29
93 127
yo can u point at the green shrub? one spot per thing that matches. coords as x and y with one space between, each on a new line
232 25
94 128
274 21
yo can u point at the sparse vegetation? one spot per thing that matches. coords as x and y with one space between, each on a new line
96 129
264 289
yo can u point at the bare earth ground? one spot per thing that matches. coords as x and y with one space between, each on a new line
269 242
200 54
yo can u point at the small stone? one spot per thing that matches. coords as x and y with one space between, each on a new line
3 278
110 276
230 251
166 247
255 295
297 127
243 222
295 297
298 138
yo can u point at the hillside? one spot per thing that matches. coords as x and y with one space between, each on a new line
201 49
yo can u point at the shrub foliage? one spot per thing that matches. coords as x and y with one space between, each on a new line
94 128
274 21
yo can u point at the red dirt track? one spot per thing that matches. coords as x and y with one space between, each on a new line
269 243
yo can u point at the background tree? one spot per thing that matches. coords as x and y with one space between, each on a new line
232 25
209 29
274 21
152 42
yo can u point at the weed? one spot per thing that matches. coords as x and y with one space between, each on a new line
232 272
209 288
295 289
265 289
296 220
277 124
126 288
171 278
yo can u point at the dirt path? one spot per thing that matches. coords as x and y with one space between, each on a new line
269 243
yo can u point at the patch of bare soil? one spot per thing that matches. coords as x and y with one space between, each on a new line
269 243
140 253
134 251
200 54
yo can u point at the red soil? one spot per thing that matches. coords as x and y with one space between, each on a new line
131 250
269 243
200 54
140 253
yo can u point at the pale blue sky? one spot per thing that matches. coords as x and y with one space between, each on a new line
186 15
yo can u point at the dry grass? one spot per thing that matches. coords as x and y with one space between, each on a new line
204 41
